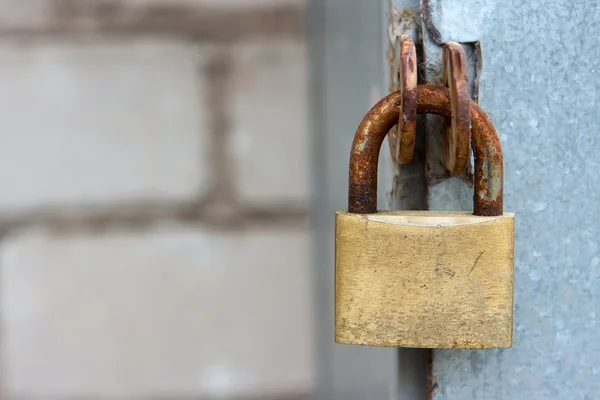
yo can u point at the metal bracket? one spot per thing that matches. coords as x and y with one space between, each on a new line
431 23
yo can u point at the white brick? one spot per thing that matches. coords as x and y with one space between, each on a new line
171 312
99 121
270 121
220 4
43 14
28 14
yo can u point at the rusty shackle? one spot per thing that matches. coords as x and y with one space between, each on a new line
362 194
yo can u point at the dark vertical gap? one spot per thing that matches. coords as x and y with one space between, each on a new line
413 367
431 384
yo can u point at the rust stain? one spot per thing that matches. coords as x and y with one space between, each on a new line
478 63
426 15
406 20
488 180
403 21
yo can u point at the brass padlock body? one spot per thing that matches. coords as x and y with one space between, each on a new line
424 279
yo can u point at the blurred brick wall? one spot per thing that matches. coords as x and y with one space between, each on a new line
154 212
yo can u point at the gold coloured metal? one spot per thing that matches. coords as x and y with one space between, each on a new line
424 279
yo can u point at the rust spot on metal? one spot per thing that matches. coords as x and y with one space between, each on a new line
478 64
362 195
403 21
458 134
407 123
489 175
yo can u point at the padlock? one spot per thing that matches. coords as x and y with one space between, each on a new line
420 278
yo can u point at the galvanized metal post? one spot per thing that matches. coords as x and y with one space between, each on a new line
539 81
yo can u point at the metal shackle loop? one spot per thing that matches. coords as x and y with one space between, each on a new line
364 156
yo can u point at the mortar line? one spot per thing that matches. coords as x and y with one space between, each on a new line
193 22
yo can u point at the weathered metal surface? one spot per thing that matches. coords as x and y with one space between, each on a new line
540 84
457 20
364 156
424 279
458 133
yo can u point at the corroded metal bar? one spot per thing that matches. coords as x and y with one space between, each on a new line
458 134
407 122
489 181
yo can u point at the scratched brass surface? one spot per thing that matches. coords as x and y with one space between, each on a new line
424 279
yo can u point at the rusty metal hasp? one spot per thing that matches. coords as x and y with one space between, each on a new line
419 278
